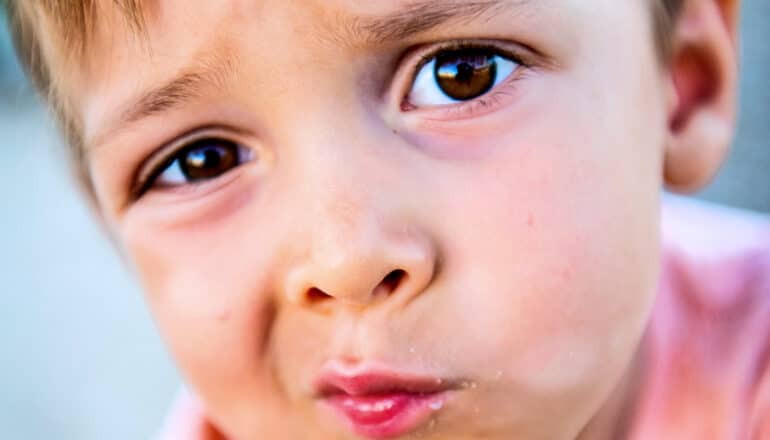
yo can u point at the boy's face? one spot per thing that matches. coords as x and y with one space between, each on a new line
325 238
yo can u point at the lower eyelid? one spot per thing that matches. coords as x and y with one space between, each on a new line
476 107
195 190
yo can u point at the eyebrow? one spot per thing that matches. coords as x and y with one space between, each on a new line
210 74
422 16
411 19
183 88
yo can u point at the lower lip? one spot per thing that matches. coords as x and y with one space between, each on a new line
387 415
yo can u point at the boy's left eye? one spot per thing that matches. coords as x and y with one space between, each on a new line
459 75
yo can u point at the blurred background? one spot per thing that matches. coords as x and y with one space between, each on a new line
79 357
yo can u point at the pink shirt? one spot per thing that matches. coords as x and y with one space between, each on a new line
709 372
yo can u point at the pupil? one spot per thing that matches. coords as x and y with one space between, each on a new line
205 158
465 72
209 159
464 75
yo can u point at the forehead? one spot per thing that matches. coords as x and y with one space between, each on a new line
173 25
184 35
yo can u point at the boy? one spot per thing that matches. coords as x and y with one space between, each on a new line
418 219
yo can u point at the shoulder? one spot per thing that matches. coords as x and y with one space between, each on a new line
716 259
187 420
714 311
707 231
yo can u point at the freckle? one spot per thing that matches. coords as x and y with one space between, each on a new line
395 131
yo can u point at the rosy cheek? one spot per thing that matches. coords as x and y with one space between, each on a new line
203 285
585 308
558 291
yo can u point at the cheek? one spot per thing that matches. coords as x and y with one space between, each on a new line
554 242
554 321
210 296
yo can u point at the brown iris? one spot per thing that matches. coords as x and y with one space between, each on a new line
465 74
208 159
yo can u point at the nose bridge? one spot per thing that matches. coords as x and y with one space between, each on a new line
345 176
340 197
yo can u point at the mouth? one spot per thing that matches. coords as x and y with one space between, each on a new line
379 403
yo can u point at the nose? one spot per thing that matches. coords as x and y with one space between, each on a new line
362 264
359 240
359 243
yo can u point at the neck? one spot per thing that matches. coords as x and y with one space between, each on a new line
615 419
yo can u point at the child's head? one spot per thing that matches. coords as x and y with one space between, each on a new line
329 197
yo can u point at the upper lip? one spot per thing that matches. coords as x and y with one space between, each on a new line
368 381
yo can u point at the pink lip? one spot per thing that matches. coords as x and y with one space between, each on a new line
381 404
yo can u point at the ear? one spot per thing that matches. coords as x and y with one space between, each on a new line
704 74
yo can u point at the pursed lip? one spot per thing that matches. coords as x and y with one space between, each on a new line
370 382
379 402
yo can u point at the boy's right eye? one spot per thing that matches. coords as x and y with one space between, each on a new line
197 162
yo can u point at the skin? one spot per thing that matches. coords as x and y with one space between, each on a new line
526 229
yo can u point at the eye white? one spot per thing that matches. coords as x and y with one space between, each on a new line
172 175
426 91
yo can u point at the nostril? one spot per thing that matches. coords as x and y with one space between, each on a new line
385 288
315 295
391 281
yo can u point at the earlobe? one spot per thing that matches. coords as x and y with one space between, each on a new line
703 71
